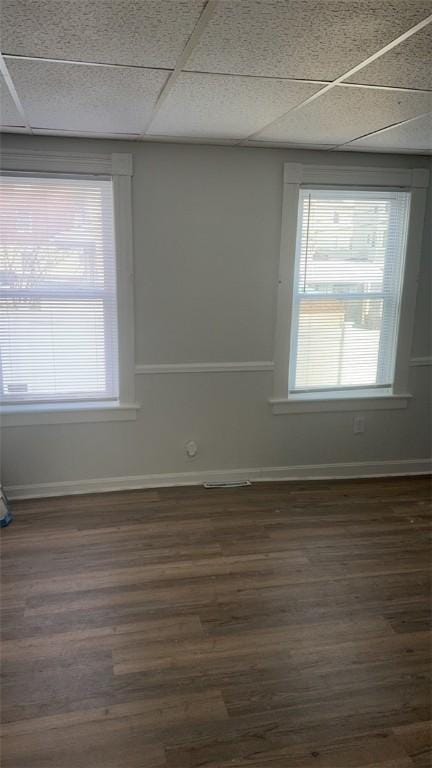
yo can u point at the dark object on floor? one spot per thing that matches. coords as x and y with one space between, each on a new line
5 512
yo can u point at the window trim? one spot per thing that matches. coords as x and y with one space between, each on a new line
297 175
119 167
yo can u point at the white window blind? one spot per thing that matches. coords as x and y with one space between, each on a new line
58 321
347 288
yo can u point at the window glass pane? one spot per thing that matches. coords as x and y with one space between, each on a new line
349 264
55 231
58 323
54 347
345 240
338 343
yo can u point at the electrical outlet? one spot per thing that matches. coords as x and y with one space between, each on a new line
191 449
358 425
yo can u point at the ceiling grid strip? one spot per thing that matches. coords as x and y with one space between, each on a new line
13 92
382 130
79 62
201 24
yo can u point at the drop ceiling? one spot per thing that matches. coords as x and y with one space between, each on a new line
331 74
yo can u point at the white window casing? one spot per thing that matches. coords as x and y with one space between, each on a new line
350 250
66 288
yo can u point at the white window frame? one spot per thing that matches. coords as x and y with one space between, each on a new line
119 167
297 175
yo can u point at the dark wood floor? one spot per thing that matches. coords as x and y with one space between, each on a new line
279 626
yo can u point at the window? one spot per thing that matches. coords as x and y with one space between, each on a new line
350 246
347 288
59 292
58 323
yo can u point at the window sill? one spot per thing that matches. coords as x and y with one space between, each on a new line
366 400
62 413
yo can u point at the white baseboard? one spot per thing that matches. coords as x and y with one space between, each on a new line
302 472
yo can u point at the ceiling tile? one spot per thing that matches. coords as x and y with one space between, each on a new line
9 114
221 106
85 98
345 113
312 39
409 65
414 136
149 33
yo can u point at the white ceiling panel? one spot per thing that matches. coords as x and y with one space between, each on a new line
85 98
149 33
409 65
414 136
9 114
309 39
216 106
345 113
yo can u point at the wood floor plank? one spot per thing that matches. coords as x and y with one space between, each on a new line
153 713
143 634
374 750
416 739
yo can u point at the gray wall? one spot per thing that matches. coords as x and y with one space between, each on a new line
206 238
